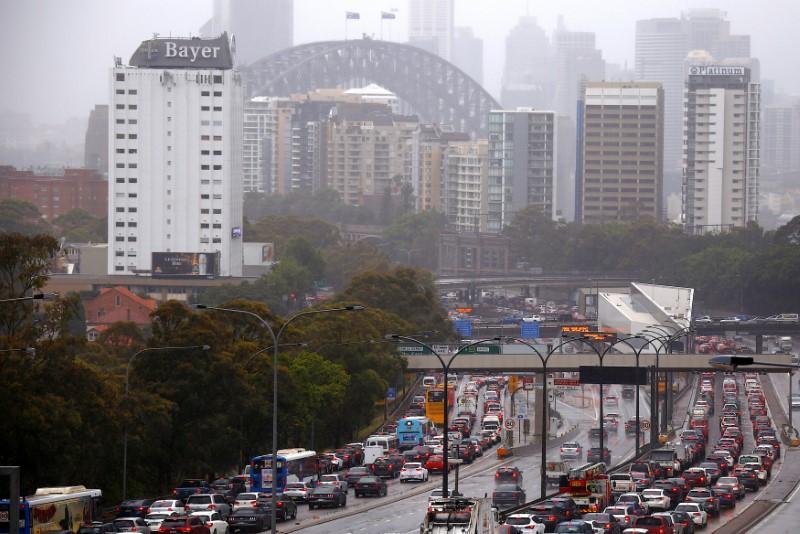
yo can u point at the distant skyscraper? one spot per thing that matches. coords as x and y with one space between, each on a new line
528 76
622 151
781 140
576 60
259 27
265 145
429 145
468 53
95 149
522 164
430 26
721 148
175 129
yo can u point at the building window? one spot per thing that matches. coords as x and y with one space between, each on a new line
216 240
120 210
217 78
132 238
120 165
120 151
203 225
218 152
133 165
119 238
217 167
117 301
204 167
204 196
133 106
132 91
132 195
133 136
217 108
217 196
120 121
133 121
132 225
119 253
120 76
217 138
205 93
132 210
217 211
120 224
120 91
118 268
120 180
217 93
204 211
205 138
120 136
133 180
205 152
217 225
205 108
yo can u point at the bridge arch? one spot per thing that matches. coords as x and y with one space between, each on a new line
437 90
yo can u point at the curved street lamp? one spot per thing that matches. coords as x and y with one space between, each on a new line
445 369
275 345
127 385
35 296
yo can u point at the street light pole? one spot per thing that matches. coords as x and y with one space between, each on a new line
35 296
445 370
127 387
275 345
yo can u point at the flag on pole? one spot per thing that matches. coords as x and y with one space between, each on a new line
352 15
389 16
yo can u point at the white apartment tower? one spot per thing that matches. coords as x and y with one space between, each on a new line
175 140
430 26
721 148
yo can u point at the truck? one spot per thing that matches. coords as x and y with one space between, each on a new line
622 483
459 514
554 471
672 458
588 486
785 344
372 453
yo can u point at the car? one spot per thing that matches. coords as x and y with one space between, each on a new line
571 450
508 496
548 513
612 400
297 491
705 319
131 524
727 498
695 511
413 471
97 527
213 521
657 499
731 483
210 501
747 478
508 475
610 423
655 524
191 486
133 508
594 455
354 473
247 519
435 464
153 520
683 522
248 500
191 525
696 477
706 498
229 487
603 523
671 488
385 467
624 513
370 485
285 508
167 506
577 526
331 495
527 522
634 499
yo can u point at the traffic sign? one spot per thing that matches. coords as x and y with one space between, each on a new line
508 424
528 386
644 425
566 383
520 416
391 394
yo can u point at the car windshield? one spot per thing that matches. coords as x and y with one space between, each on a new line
199 499
173 523
518 520
124 523
295 485
163 504
412 465
246 497
687 508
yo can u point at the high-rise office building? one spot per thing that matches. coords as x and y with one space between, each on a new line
621 135
522 164
576 60
529 73
466 175
662 46
721 148
468 53
430 26
95 148
266 141
258 27
175 136
781 140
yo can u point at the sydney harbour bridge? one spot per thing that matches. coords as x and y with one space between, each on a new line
434 88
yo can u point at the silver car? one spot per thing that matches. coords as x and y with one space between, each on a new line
205 502
131 524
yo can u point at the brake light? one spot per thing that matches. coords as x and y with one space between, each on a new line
280 504
627 519
551 518
184 529
710 499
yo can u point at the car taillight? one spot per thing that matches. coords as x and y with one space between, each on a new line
627 519
175 492
280 504
211 507
710 499
253 503
184 529
551 518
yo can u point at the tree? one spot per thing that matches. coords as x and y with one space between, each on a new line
21 217
300 251
80 226
24 264
279 229
343 262
789 233
413 239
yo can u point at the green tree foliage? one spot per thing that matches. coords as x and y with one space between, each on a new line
24 264
404 291
789 233
303 254
280 229
343 262
413 239
21 217
80 226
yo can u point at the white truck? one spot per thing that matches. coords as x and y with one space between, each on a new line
371 453
622 483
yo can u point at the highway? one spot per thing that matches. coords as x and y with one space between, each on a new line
402 510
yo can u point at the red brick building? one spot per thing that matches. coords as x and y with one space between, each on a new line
84 189
118 304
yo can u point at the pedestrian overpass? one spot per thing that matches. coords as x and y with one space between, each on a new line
514 359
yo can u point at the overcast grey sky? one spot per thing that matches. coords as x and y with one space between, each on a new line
56 53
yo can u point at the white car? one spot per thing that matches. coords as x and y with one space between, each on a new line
167 506
213 521
413 471
656 499
297 491
525 522
695 511
202 502
633 498
248 500
336 462
154 520
131 524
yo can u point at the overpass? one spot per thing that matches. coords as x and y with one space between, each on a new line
748 328
515 359
539 280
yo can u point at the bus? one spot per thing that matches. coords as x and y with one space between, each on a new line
54 509
434 406
387 441
412 431
293 465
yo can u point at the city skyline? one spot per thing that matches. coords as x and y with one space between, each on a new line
615 38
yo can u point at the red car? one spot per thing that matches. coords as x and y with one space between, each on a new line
184 525
655 524
436 464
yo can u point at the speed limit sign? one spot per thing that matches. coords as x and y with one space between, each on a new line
509 424
644 425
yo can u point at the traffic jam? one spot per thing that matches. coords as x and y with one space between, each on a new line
726 452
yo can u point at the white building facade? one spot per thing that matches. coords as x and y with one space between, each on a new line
175 178
721 148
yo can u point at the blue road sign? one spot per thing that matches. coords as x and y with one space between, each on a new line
529 330
464 327
391 394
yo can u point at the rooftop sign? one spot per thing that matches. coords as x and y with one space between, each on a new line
715 70
192 53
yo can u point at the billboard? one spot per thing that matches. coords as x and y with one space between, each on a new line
166 264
